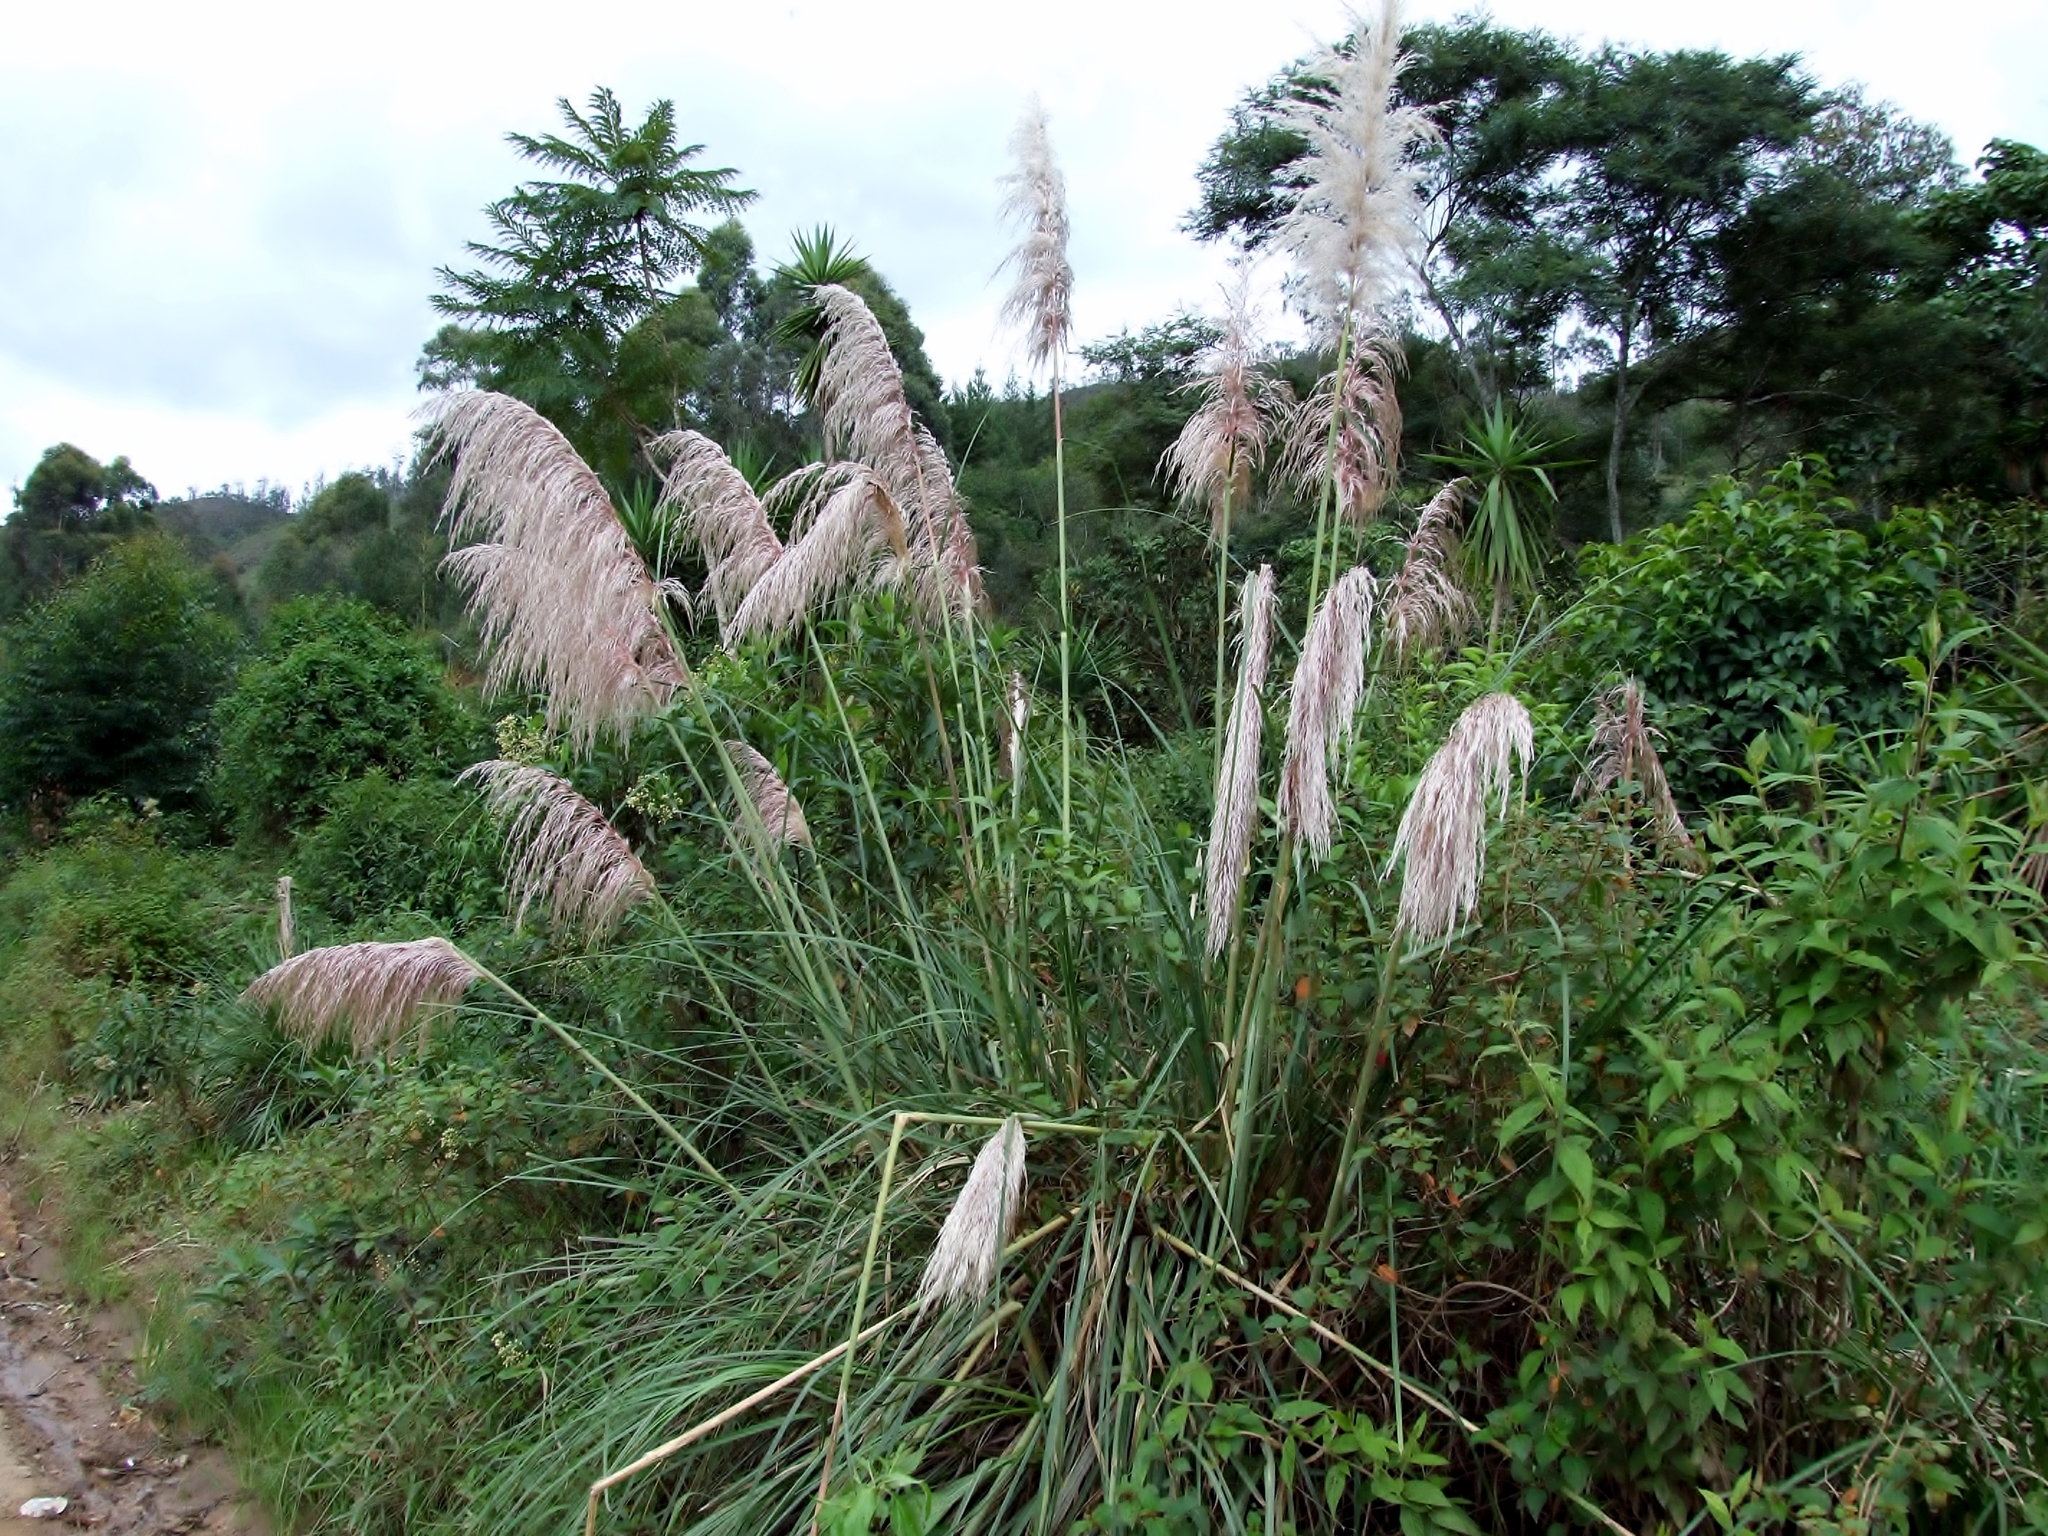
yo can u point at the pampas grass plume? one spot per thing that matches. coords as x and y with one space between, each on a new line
1442 836
962 1266
1211 462
1236 816
1425 606
1625 750
560 853
378 990
781 818
1328 683
1035 198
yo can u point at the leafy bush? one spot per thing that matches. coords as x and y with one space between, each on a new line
108 685
388 846
1756 606
339 690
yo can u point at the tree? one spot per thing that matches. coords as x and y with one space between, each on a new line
1666 151
70 510
108 685
575 307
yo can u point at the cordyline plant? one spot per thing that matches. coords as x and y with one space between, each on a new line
1324 1174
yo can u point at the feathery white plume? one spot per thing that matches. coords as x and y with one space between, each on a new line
1353 442
1035 197
1212 460
963 1263
720 513
781 818
1443 832
1353 229
1236 815
560 852
1625 750
287 930
378 990
1328 682
1425 606
849 536
562 600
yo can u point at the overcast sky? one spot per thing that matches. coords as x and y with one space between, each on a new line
219 223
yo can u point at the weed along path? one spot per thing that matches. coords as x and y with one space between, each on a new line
69 1428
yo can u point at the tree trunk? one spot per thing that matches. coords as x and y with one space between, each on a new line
1614 443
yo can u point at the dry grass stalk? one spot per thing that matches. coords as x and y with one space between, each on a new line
781 818
560 853
963 1263
1016 715
1425 605
1329 680
1353 443
287 930
1625 751
562 599
379 991
1236 816
720 513
1443 831
1212 460
1354 227
1035 198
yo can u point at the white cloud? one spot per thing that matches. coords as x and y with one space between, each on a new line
223 219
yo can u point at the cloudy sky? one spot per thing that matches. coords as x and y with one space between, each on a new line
219 222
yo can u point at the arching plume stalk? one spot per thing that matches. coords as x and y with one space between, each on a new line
1236 815
560 853
781 818
563 602
962 1266
1425 605
1329 680
1442 836
719 512
1625 750
1354 228
380 991
1040 301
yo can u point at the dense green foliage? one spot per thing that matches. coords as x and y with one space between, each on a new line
70 510
338 691
109 684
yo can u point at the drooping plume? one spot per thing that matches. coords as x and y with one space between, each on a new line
1211 462
1625 751
1328 683
848 536
781 818
866 417
560 853
1425 606
1443 832
963 1263
1236 816
1035 199
378 990
564 604
1350 438
1354 226
720 514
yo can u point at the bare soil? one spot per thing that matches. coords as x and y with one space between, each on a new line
70 1424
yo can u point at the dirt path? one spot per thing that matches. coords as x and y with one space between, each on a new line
69 1427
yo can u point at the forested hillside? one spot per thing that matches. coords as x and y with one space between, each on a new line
1440 928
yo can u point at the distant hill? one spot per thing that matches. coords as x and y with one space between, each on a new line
238 527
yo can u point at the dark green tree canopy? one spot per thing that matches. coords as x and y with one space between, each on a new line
108 685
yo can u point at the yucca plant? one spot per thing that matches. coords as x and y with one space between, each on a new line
1509 467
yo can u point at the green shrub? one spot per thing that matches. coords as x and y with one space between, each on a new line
389 846
339 690
108 685
1758 605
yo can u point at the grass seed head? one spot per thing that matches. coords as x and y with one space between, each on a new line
1035 199
560 853
963 1262
1625 751
1236 815
1425 605
1349 438
379 991
1322 705
781 818
718 510
1211 462
1442 836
